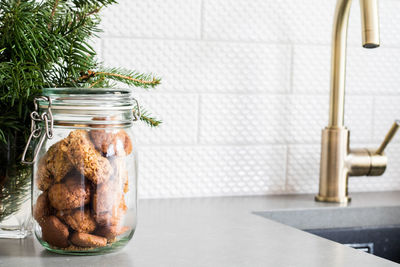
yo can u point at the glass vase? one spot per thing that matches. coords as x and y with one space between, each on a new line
15 197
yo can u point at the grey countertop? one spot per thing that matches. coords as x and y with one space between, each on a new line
226 231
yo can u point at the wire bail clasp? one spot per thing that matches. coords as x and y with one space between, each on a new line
36 130
136 111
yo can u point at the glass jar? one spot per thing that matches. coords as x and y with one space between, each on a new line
84 190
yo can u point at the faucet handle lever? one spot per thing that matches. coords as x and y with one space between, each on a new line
389 136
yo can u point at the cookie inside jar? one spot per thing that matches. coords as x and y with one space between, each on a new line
83 188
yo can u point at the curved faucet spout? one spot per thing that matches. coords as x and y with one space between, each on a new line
370 34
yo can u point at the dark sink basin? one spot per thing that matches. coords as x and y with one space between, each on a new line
380 241
375 230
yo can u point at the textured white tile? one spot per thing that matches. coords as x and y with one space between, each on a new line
388 181
268 20
211 171
303 168
242 119
178 114
308 115
369 71
358 118
153 18
386 111
389 17
300 21
189 66
311 69
263 119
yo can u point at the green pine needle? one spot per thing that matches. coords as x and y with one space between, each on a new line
128 77
146 117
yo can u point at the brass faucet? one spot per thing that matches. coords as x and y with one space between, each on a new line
338 161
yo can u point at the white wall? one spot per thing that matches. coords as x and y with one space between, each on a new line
245 92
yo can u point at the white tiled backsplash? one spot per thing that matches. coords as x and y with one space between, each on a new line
244 94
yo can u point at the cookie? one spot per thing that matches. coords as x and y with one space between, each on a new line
111 232
44 179
104 198
112 216
111 143
88 240
73 193
53 166
85 158
41 209
79 220
55 232
120 175
60 164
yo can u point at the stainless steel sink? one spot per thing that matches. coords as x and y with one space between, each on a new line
335 217
380 241
375 230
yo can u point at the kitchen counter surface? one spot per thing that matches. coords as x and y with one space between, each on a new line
216 232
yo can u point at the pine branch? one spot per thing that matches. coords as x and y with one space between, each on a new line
53 12
148 118
97 82
124 76
80 3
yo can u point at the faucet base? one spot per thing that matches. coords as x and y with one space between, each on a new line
342 200
333 170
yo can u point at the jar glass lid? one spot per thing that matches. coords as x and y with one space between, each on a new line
89 98
77 105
